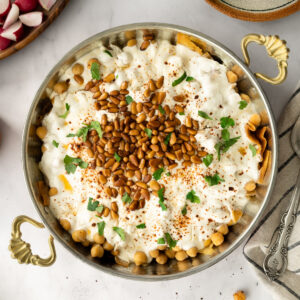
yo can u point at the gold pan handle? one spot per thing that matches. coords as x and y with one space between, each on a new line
21 250
276 48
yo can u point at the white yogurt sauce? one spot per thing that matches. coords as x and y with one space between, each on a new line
209 92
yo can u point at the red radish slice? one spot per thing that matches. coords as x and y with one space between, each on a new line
47 4
26 5
12 16
4 43
14 32
4 7
32 19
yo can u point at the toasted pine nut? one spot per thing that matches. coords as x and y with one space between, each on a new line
131 43
78 79
231 77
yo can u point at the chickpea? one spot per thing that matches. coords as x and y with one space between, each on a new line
65 224
140 258
77 69
52 191
162 247
97 251
60 87
107 246
170 253
154 253
161 259
115 252
86 243
196 261
217 238
79 236
181 255
207 243
223 229
231 77
240 295
99 239
41 132
176 248
192 252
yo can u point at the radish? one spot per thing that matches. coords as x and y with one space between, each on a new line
4 43
4 7
26 5
13 32
12 16
46 4
32 19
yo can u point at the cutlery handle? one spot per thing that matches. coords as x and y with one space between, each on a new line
275 262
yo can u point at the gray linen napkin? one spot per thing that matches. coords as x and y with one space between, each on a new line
287 287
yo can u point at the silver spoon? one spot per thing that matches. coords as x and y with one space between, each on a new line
275 262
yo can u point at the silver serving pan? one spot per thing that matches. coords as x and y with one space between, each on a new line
32 155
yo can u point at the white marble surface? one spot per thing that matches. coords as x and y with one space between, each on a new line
20 77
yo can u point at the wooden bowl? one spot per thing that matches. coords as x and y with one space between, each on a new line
33 32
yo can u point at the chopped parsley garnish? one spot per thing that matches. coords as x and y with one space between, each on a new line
71 163
226 122
107 52
55 143
83 131
225 135
160 108
224 147
100 209
117 157
128 99
95 70
179 80
167 139
172 243
192 197
181 113
63 116
161 199
243 104
168 174
120 232
141 226
213 180
126 198
161 241
204 115
208 159
184 210
189 78
92 205
253 149
157 174
101 226
148 132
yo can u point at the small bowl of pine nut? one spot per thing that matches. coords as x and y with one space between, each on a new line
149 152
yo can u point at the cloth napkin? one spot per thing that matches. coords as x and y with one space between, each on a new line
286 287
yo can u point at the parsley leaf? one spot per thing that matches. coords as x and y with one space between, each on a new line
161 241
226 122
167 139
161 199
100 209
160 108
225 135
117 157
71 164
208 159
92 205
141 226
184 210
95 70
253 150
179 80
213 180
181 113
101 227
107 52
229 143
192 197
120 232
218 147
189 78
157 174
148 132
55 143
172 243
204 115
243 104
83 131
168 174
128 99
63 116
96 125
126 198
